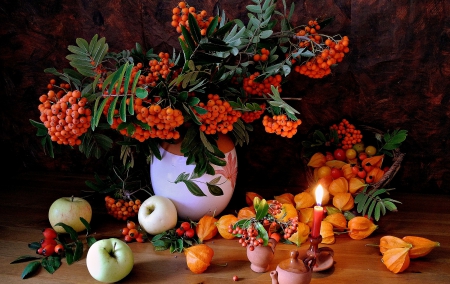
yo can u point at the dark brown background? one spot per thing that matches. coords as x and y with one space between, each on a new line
397 75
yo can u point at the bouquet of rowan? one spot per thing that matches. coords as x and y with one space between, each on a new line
223 77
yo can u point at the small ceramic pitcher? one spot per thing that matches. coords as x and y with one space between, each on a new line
293 270
261 257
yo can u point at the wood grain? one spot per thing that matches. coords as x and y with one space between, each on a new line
24 214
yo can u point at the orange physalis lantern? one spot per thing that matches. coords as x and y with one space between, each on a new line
206 228
198 257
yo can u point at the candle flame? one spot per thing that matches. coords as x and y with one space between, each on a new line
319 194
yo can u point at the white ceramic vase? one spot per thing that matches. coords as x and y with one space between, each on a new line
164 173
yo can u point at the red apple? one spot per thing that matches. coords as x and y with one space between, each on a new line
336 173
339 154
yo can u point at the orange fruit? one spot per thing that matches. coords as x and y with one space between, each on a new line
223 224
206 228
323 172
246 213
198 257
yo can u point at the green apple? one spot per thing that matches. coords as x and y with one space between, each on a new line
157 214
68 210
109 260
359 147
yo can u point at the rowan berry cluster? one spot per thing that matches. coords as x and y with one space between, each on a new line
281 125
248 236
329 51
263 56
65 115
137 132
185 230
347 133
250 116
162 121
275 208
310 31
249 233
121 209
259 88
219 117
180 18
290 227
132 233
49 245
158 69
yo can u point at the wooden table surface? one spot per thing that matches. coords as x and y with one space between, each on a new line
26 198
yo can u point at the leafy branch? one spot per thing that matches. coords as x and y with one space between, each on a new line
171 240
369 202
73 251
122 182
391 141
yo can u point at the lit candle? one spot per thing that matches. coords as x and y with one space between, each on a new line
318 212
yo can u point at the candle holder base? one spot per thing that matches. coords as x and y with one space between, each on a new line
323 257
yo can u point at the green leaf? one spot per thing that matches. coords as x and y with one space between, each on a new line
254 9
90 241
362 203
224 29
377 211
34 245
69 256
123 109
30 269
371 208
269 11
100 51
394 140
262 233
195 30
86 225
359 197
127 77
389 205
133 90
112 108
212 26
98 111
188 39
78 251
141 93
194 188
187 52
83 44
261 209
215 47
72 233
93 43
265 34
24 258
77 50
214 189
51 264
79 57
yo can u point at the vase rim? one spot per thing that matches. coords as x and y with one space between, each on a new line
224 143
